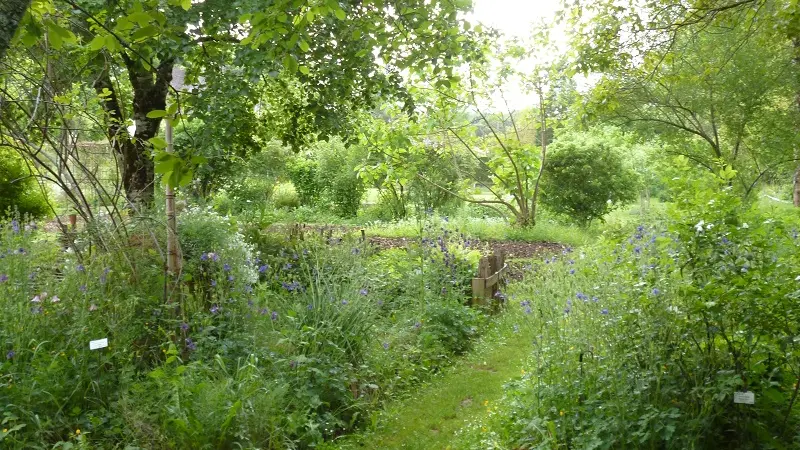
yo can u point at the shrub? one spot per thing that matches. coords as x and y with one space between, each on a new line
285 196
304 173
19 192
585 179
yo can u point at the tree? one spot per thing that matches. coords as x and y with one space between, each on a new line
11 12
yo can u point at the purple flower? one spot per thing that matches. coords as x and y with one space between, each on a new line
525 303
581 296
55 299
214 309
263 268
288 266
184 326
310 306
3 278
595 299
11 354
637 250
417 325
213 283
572 271
80 268
527 310
386 346
567 310
263 311
380 303
214 257
305 251
82 288
36 299
344 302
500 296
363 291
15 226
204 257
230 277
274 315
190 345
294 256
226 267
604 311
21 251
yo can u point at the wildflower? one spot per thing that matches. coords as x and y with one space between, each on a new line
355 251
572 271
230 278
699 226
263 268
571 262
248 289
516 328
500 296
363 291
604 311
294 256
214 309
656 291
386 346
36 299
745 225
214 257
78 431
82 288
344 302
380 302
204 257
11 354
305 252
274 315
637 250
213 283
263 311
288 266
15 226
527 310
226 267
80 268
444 291
744 269
55 299
310 306
725 240
581 296
417 325
184 327
21 251
595 299
190 344
3 278
92 307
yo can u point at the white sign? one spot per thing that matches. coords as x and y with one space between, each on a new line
100 343
748 398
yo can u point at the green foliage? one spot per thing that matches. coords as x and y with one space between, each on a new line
285 196
585 179
19 192
643 341
304 173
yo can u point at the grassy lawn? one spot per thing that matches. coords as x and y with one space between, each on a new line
436 411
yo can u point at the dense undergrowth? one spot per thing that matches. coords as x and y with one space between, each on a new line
642 340
269 342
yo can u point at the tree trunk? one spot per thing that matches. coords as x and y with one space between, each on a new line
11 13
543 119
796 191
150 88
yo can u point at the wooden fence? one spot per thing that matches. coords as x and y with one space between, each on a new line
491 270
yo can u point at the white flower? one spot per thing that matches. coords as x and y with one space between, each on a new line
699 226
709 226
55 299
36 299
745 225
798 278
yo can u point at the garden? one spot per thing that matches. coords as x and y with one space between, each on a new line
396 224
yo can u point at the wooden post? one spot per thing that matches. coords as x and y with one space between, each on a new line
73 222
173 253
363 235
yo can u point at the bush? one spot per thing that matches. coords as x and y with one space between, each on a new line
19 192
643 341
585 179
285 196
304 173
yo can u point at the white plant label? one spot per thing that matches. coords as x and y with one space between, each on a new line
98 344
747 398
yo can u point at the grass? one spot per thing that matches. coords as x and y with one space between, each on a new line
462 393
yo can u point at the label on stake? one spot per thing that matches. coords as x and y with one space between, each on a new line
98 344
747 398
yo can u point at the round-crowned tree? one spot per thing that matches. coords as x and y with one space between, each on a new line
19 192
585 178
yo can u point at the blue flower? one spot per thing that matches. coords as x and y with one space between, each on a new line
288 266
204 257
386 346
274 315
572 271
344 302
190 344
581 296
595 299
516 328
567 310
230 277
355 251
184 326
310 307
263 311
11 354
527 310
213 283
214 309
263 268
80 268
226 267
500 296
15 226
82 288
417 325
3 278
637 250
363 291
656 291
604 311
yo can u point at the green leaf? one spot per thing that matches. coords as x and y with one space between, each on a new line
158 142
144 33
304 70
303 45
156 114
97 43
339 12
186 4
290 63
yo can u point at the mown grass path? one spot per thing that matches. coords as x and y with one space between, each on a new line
430 417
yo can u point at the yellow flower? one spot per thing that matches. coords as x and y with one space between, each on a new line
486 403
78 431
561 413
5 430
523 371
